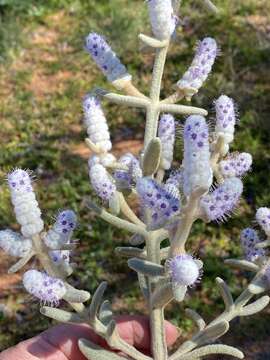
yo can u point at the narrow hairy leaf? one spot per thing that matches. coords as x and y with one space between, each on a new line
146 267
94 352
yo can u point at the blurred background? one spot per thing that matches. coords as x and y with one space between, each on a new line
44 73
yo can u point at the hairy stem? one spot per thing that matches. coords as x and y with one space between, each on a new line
153 107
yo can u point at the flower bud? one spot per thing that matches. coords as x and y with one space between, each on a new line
96 123
14 244
166 133
102 182
162 18
197 168
24 201
225 118
200 68
263 219
235 165
62 230
44 287
223 200
155 197
249 238
183 270
105 58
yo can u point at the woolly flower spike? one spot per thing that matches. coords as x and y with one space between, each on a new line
166 133
62 230
14 244
101 182
225 118
249 239
197 169
46 288
96 123
184 270
263 219
200 68
235 165
222 201
162 19
125 178
105 58
24 201
163 204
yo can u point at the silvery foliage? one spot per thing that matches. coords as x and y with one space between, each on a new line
206 187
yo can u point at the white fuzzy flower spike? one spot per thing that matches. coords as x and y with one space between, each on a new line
25 204
101 182
14 244
222 201
235 165
96 123
225 118
166 133
62 230
197 169
47 289
105 58
162 18
200 68
263 219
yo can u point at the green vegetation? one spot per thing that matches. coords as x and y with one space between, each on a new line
44 73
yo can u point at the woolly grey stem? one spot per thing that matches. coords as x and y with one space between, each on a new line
153 108
158 341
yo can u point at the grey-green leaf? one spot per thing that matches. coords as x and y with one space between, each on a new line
94 352
61 315
256 306
146 267
151 158
211 350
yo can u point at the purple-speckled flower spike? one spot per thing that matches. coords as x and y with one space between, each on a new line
200 68
236 164
197 169
166 133
223 200
249 239
26 207
163 204
47 289
62 230
101 182
105 58
225 118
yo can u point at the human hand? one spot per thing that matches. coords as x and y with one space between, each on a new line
61 342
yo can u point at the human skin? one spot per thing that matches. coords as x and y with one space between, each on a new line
60 342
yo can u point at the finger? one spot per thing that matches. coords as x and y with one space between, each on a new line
135 330
61 342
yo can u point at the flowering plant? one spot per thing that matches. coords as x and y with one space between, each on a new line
207 186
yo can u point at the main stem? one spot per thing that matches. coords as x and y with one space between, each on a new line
158 340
